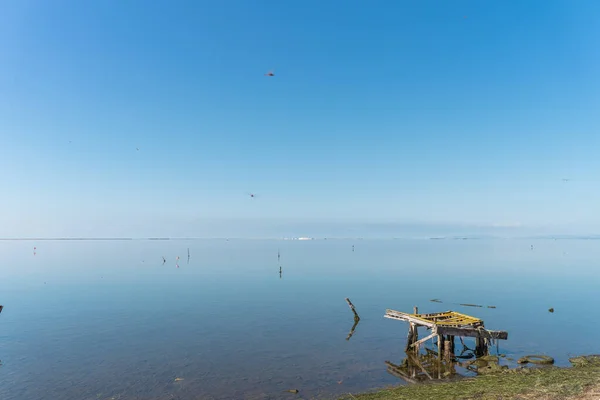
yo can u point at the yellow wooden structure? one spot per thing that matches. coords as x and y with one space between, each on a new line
447 318
445 326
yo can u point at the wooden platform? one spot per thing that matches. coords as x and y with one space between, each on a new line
445 326
446 318
448 323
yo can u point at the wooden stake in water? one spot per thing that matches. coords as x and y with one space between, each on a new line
356 317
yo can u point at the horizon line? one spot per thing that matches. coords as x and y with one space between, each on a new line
304 238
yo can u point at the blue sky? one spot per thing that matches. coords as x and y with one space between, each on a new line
440 112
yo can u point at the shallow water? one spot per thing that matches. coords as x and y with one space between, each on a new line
101 320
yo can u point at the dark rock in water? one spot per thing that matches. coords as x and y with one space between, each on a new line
551 310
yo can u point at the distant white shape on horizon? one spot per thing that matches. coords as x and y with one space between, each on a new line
507 225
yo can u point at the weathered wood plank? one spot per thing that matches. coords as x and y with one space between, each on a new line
392 314
424 339
472 332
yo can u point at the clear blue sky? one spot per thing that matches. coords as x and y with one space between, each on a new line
466 112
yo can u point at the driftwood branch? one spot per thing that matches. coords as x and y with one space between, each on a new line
356 317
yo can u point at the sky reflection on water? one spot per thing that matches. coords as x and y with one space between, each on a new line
107 319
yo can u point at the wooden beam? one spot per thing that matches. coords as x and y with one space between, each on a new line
392 314
424 339
472 332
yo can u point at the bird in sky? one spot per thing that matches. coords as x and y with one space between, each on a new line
252 195
270 73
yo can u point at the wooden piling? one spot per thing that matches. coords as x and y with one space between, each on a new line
480 346
356 317
410 338
447 350
416 330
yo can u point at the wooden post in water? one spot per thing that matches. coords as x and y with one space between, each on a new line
480 346
416 331
447 350
410 339
356 317
413 335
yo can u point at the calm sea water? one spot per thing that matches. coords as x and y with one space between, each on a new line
102 320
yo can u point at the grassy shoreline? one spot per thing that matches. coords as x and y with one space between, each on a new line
580 381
